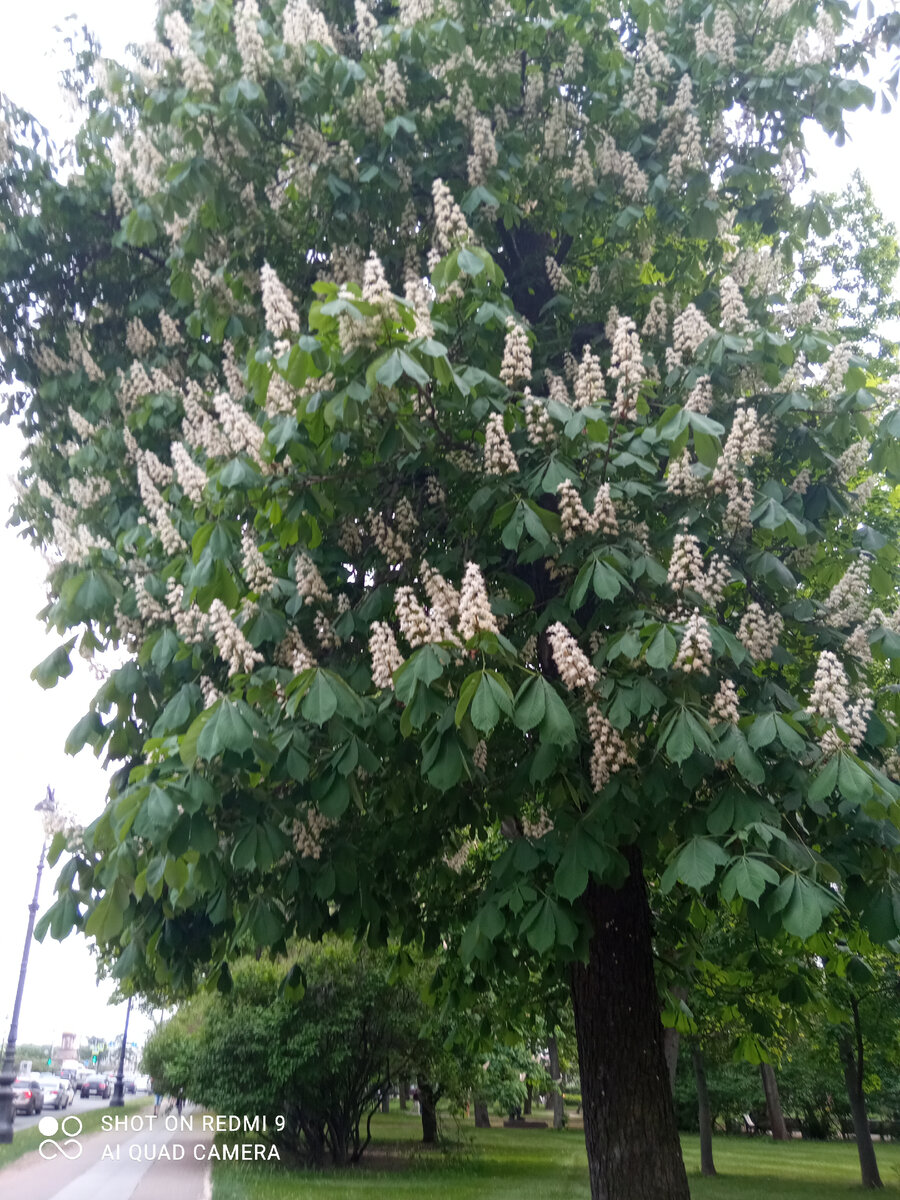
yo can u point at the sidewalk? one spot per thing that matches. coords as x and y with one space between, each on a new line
130 1169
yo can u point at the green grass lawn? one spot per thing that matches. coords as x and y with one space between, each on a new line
507 1164
25 1140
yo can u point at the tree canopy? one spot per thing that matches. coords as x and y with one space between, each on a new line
429 402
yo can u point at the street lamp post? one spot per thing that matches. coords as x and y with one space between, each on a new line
8 1071
118 1098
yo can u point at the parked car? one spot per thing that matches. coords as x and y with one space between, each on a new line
28 1096
96 1085
129 1085
56 1091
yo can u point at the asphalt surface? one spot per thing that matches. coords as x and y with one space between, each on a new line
78 1107
145 1160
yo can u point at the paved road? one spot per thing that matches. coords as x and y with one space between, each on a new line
145 1161
78 1106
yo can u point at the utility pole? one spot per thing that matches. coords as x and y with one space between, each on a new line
8 1070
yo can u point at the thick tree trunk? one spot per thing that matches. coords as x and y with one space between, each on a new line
386 1103
556 1102
773 1103
629 1121
482 1117
707 1166
854 1074
529 1096
429 1112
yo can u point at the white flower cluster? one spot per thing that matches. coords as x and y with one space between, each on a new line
851 462
656 322
700 397
419 295
848 600
257 573
256 60
241 432
536 829
499 456
725 708
474 607
574 666
191 622
386 657
234 377
695 652
734 314
389 539
626 366
742 446
149 608
450 226
88 491
712 585
680 477
690 329
588 380
640 97
609 754
292 653
199 429
172 541
719 43
80 355
308 833
516 363
558 279
759 633
197 76
538 424
209 691
281 317
233 647
575 517
376 289
302 24
686 563
582 169
310 584
830 693
191 477
281 398
171 334
556 388
484 151
612 161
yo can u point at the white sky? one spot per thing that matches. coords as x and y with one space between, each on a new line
60 992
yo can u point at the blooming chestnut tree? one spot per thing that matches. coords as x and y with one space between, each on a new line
422 401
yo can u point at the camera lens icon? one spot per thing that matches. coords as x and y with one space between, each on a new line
70 1127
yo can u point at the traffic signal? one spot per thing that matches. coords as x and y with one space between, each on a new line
94 1059
49 1062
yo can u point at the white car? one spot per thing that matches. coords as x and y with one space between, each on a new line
57 1093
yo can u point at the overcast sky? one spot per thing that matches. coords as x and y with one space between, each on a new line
60 992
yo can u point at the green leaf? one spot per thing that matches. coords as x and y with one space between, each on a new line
747 877
466 692
803 905
824 782
557 726
227 729
531 703
55 666
583 856
762 731
469 262
320 702
479 937
661 650
680 742
697 861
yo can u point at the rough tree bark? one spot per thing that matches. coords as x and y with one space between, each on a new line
482 1116
386 1102
429 1111
773 1103
629 1120
704 1115
853 1058
529 1097
555 1101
